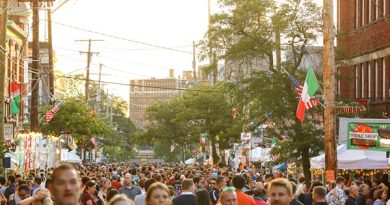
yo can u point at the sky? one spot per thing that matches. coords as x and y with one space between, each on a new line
120 24
170 23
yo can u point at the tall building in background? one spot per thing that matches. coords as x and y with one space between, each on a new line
143 93
364 44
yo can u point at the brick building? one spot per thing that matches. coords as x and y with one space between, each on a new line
364 43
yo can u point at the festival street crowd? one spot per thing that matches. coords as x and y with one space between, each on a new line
168 184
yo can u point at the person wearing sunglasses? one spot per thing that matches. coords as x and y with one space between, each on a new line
214 193
228 196
211 184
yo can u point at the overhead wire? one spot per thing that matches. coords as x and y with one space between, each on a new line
116 59
112 68
40 73
121 38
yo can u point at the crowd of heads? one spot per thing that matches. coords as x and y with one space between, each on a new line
166 184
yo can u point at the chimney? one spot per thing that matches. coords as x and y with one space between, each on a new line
171 73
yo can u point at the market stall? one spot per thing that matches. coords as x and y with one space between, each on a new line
260 154
72 157
353 159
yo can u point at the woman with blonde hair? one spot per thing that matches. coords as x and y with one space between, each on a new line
120 199
158 194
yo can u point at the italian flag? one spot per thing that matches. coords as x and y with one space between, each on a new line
309 89
15 98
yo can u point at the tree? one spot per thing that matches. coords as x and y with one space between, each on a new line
273 102
77 119
249 30
182 120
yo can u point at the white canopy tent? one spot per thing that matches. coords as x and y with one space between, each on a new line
260 154
353 159
73 157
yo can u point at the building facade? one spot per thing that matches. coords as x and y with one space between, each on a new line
364 45
16 64
143 93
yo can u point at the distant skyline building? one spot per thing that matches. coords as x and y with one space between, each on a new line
233 70
145 92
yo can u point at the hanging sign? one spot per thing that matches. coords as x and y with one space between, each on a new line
369 136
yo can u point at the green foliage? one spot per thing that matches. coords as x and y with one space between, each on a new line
116 153
245 30
162 148
181 120
74 117
271 99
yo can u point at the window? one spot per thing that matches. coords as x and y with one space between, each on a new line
369 79
384 79
356 81
376 79
363 13
338 83
369 11
357 13
362 80
376 9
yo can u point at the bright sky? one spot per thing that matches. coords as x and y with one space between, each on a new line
169 23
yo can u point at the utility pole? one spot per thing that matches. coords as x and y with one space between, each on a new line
3 68
89 56
50 48
213 65
99 89
329 90
34 126
194 59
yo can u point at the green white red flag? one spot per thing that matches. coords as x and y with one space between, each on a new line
310 87
15 98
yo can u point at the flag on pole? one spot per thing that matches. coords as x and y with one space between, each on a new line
15 98
50 114
172 147
93 140
309 89
273 142
298 90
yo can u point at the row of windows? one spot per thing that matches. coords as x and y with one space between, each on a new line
371 79
170 94
367 11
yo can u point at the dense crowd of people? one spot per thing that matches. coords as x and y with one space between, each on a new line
163 184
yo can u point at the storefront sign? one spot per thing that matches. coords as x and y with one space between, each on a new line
245 136
370 136
8 131
351 109
329 175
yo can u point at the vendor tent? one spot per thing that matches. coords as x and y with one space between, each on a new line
73 157
353 159
189 161
260 154
279 167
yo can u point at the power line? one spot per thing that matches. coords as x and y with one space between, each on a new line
142 86
123 71
121 38
110 58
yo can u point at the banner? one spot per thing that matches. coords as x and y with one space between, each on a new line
368 136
